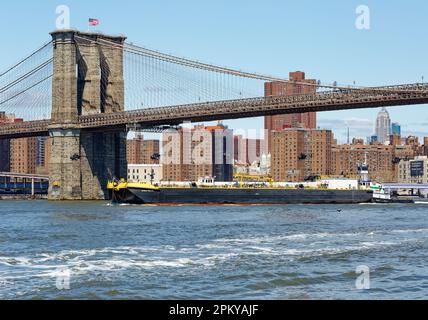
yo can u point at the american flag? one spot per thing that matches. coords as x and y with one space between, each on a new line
94 22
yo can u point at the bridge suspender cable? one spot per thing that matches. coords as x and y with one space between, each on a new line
27 58
25 76
25 90
209 67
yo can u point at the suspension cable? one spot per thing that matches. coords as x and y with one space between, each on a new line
25 76
209 67
25 90
27 58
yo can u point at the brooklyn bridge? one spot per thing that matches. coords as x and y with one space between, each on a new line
86 90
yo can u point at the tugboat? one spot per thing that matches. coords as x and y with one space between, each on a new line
388 193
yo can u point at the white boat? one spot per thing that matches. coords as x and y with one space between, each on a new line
384 194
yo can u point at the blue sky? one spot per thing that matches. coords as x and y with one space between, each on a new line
270 36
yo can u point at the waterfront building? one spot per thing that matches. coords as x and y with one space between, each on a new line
202 151
298 154
43 152
17 155
248 151
240 150
404 152
5 143
293 87
347 158
23 154
145 173
142 151
4 155
414 170
383 126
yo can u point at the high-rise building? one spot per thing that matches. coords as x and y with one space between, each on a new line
192 154
293 87
404 152
383 126
150 152
413 143
238 147
248 151
4 148
9 160
347 158
141 151
23 154
395 140
372 140
300 153
43 152
4 155
396 129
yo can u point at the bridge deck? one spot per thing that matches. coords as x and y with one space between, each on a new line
233 109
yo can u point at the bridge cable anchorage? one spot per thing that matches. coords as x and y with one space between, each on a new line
209 67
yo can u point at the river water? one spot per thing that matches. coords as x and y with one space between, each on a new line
91 250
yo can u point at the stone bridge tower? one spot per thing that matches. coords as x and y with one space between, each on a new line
87 79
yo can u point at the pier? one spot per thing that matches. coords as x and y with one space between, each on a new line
18 185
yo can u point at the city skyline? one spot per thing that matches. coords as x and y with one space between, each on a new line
227 45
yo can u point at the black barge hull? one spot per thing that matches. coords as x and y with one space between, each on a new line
241 196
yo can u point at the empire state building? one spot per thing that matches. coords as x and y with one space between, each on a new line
383 126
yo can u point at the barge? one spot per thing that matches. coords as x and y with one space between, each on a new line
143 193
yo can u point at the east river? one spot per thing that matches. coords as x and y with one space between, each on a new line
92 250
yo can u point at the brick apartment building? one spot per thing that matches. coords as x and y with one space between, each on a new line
23 155
248 151
5 145
17 155
4 155
346 158
191 154
297 120
300 153
141 151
